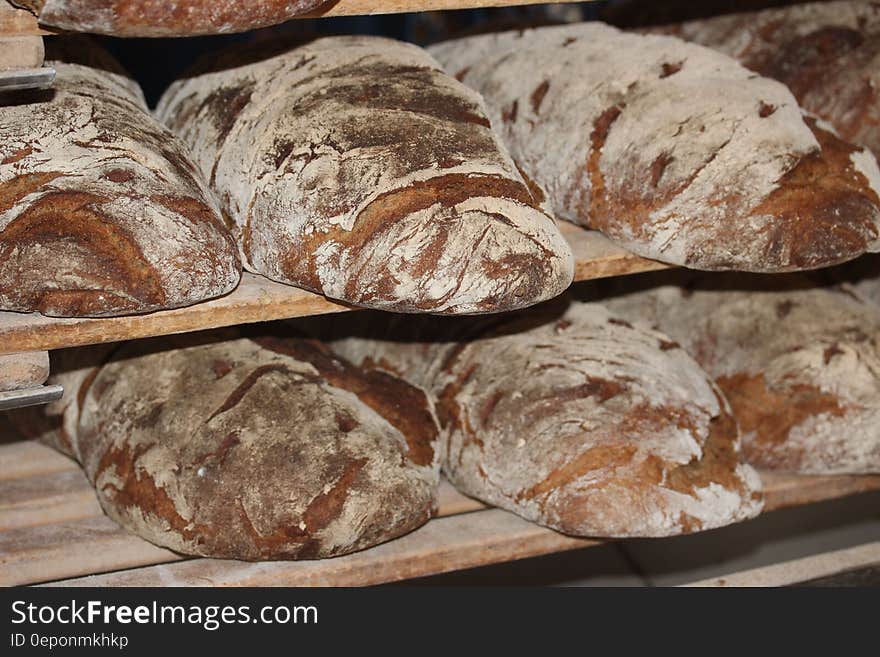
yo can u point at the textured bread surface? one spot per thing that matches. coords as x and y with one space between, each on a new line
24 370
672 150
799 364
101 212
827 53
577 420
161 18
354 167
251 448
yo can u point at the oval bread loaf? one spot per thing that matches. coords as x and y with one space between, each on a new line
672 150
101 212
577 420
263 448
354 167
162 18
799 364
827 53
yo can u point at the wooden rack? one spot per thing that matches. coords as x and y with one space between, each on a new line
53 530
258 299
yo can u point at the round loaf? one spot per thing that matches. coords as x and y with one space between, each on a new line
101 212
672 150
264 448
356 168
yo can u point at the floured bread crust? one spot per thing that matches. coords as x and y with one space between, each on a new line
101 212
827 53
354 167
24 370
800 365
672 150
577 420
285 452
158 18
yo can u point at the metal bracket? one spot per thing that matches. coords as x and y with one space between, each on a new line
29 396
29 78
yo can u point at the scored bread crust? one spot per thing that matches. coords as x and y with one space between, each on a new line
101 212
574 419
800 365
287 452
672 150
162 18
827 53
354 167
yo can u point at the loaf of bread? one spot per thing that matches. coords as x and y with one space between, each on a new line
159 18
672 150
354 167
827 53
251 448
581 422
101 212
799 364
24 370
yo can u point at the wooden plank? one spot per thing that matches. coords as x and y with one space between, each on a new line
90 545
28 458
258 299
19 22
443 545
46 499
786 490
373 7
800 570
50 518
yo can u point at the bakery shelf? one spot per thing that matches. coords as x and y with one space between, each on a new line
23 23
258 299
51 529
816 566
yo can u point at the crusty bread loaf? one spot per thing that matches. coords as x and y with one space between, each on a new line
253 448
827 53
799 364
158 18
580 422
354 167
101 212
672 150
24 370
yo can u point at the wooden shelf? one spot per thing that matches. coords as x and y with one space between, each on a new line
51 528
20 22
374 7
258 299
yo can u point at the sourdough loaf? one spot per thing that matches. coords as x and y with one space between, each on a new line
253 448
101 212
158 18
827 53
672 150
575 419
799 364
354 167
24 370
